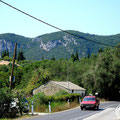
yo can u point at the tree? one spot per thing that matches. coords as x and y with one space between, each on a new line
3 54
76 56
7 53
100 50
53 58
104 75
72 57
21 56
42 58
5 100
21 104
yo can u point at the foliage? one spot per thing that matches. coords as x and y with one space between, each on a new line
5 95
5 100
21 101
5 54
4 76
98 73
59 106
40 97
39 77
7 58
61 92
32 50
21 56
103 76
58 101
75 57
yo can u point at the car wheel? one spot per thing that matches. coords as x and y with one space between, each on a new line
98 107
84 108
81 108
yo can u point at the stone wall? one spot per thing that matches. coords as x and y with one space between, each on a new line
81 92
48 89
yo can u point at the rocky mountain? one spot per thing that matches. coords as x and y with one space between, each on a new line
63 41
7 42
57 44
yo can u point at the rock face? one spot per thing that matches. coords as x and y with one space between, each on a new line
4 45
64 41
50 44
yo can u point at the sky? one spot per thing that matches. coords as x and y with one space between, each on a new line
100 17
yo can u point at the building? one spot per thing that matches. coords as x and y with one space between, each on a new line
3 62
52 87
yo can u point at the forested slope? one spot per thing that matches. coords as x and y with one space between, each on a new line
57 44
96 73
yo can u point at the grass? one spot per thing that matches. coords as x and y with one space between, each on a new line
41 108
55 106
19 117
63 106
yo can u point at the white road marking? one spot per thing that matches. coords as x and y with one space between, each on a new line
77 118
108 114
82 116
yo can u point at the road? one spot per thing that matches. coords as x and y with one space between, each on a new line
75 114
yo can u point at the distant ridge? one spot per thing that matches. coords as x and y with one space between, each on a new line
57 44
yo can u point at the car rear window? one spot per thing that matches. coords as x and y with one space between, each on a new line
89 99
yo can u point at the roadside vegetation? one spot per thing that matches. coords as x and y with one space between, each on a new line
96 73
58 102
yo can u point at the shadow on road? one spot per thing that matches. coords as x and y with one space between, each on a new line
94 109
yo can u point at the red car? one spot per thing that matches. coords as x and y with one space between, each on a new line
90 102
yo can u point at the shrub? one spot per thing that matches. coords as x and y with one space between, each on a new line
7 58
5 100
58 101
40 97
61 92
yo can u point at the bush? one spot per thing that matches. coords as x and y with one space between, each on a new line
61 92
40 97
5 100
58 101
65 97
7 58
5 95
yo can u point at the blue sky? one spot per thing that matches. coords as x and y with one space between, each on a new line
99 17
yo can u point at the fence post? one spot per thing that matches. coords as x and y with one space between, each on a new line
79 100
49 107
32 108
68 102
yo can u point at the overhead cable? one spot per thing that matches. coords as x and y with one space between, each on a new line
80 37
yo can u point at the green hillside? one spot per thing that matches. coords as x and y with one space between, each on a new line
57 44
10 37
98 73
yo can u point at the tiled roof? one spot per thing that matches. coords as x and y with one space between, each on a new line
4 62
68 85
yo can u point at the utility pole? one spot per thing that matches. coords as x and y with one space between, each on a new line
11 80
68 76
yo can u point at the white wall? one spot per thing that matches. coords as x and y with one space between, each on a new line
82 92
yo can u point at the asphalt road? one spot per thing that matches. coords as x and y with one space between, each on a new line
75 114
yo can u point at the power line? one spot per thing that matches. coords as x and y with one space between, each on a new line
80 37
